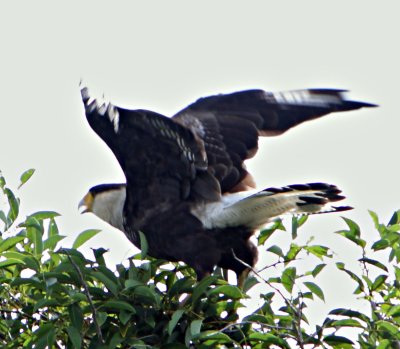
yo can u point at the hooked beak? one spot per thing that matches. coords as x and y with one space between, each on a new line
85 205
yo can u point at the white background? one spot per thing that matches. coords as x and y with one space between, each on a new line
163 55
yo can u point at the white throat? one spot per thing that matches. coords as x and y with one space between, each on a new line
109 206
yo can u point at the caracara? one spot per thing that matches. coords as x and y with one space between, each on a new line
187 188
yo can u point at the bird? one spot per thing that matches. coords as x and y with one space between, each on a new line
187 188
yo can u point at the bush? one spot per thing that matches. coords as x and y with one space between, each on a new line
52 296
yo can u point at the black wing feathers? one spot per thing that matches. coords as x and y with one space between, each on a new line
160 158
241 117
200 152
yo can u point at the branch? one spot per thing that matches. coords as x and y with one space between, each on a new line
274 264
88 295
288 303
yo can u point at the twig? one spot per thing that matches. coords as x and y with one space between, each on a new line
270 327
277 263
19 312
88 295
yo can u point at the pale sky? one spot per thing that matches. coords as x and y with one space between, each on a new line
162 55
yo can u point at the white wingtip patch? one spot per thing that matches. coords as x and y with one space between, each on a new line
102 109
300 97
85 93
101 106
115 119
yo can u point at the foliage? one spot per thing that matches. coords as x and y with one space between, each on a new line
52 296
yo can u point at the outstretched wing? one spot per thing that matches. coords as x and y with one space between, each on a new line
162 160
230 124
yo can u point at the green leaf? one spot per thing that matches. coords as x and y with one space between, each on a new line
294 227
200 288
268 339
33 283
107 272
346 323
9 262
3 217
111 285
50 282
353 234
45 336
314 288
195 327
72 252
98 254
42 303
75 337
375 218
394 311
14 206
374 263
146 294
380 279
25 176
144 247
393 229
42 215
266 233
384 344
125 316
52 229
2 181
249 283
174 345
115 340
51 242
288 278
297 222
307 295
10 242
276 250
84 236
341 266
76 315
338 340
118 305
349 313
302 219
130 283
317 250
354 227
215 336
25 258
183 285
395 219
101 317
35 234
32 222
388 327
230 291
380 245
317 269
293 252
176 316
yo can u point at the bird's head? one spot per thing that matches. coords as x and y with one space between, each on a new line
106 201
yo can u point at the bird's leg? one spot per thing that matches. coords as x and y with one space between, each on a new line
201 276
225 274
241 277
